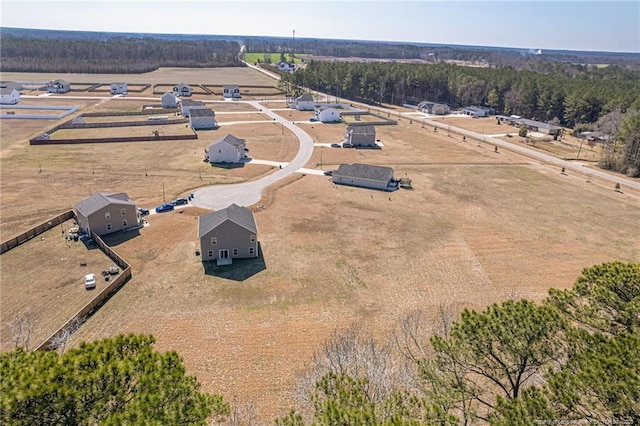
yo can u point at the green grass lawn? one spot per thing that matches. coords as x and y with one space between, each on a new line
275 57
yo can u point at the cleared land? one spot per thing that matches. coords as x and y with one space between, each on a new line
479 227
43 280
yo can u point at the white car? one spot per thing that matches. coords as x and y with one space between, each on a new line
90 281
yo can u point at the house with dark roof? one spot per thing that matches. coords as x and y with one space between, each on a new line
106 213
187 104
182 90
119 88
304 103
58 86
365 176
169 100
228 234
227 149
230 91
202 118
539 126
361 136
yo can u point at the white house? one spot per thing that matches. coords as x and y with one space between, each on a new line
304 103
361 135
327 114
202 118
231 91
187 104
227 149
182 90
169 100
119 88
58 86
9 95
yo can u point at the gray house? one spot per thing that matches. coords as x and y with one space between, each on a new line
304 103
365 176
202 118
361 135
228 234
539 126
187 104
106 213
478 111
58 86
231 91
182 90
169 100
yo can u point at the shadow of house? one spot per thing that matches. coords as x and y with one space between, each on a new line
117 238
239 270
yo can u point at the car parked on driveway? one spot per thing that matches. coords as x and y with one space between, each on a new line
143 212
328 172
166 207
180 201
90 281
336 145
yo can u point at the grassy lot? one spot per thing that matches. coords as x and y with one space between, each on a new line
275 57
42 280
478 227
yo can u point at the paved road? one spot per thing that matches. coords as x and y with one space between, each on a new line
248 193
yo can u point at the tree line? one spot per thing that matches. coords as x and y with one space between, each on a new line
573 358
113 55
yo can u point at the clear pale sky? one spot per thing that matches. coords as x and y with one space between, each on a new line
570 25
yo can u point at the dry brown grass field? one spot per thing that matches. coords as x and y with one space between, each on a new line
478 227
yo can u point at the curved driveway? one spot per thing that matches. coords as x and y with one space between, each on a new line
245 194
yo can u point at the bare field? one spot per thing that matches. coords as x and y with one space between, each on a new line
478 227
42 280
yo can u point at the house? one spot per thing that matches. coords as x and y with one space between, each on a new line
478 111
433 108
187 104
539 126
365 176
58 86
227 149
169 100
182 90
106 213
361 135
304 103
230 91
285 66
202 118
327 114
9 94
228 234
119 88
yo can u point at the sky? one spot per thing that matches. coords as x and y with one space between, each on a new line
612 26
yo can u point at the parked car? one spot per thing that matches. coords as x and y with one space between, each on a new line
90 281
180 201
347 145
143 212
166 207
336 145
328 173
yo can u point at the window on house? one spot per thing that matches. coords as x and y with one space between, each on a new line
214 241
107 215
210 253
253 238
124 222
251 250
123 212
108 227
235 252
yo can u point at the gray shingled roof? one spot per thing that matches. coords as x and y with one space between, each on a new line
365 171
239 215
538 124
362 130
305 97
100 200
182 85
201 112
232 140
7 90
191 103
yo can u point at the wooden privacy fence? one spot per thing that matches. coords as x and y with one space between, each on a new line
92 306
35 231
